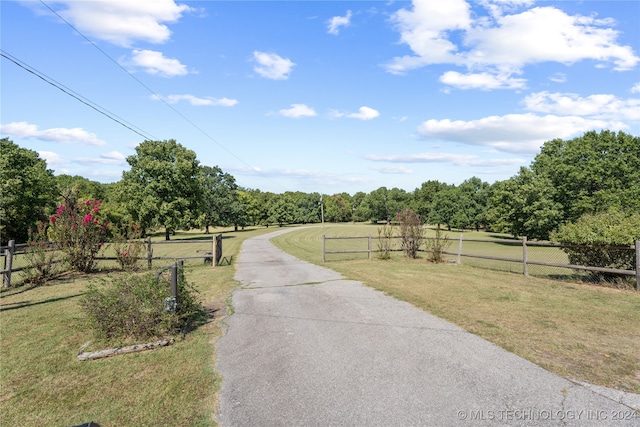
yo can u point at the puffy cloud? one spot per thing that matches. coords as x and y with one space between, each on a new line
61 135
199 102
53 159
272 66
334 24
297 111
155 63
123 22
364 113
523 133
635 88
601 106
494 47
394 170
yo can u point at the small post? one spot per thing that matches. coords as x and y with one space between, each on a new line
213 251
369 244
149 252
524 256
217 250
637 265
174 281
459 249
8 253
323 248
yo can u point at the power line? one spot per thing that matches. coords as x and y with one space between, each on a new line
158 97
77 96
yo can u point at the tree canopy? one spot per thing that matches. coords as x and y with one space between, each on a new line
27 191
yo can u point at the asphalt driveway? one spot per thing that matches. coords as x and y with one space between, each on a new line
306 348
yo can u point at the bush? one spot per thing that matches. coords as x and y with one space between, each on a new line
78 229
437 246
42 256
601 236
411 232
385 241
133 306
128 247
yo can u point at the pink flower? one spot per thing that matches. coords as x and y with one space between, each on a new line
52 218
59 210
88 202
87 219
124 254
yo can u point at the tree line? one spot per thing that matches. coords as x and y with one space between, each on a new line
167 188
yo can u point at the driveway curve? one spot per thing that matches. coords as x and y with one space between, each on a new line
304 347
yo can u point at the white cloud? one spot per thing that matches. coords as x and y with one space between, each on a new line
297 111
453 158
155 63
53 159
364 113
199 102
558 78
123 22
394 170
111 158
334 24
272 66
483 81
599 106
499 45
62 135
523 133
635 88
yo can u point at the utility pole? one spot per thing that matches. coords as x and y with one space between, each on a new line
322 210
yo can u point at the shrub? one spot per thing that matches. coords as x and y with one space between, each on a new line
128 247
437 246
133 306
78 229
385 241
43 257
600 237
411 232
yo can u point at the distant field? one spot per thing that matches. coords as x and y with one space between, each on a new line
579 331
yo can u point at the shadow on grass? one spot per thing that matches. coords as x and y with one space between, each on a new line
17 305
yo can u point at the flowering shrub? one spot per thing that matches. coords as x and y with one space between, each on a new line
78 229
411 232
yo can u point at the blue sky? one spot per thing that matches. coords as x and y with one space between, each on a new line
327 96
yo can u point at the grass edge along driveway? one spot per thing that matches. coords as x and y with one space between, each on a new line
581 332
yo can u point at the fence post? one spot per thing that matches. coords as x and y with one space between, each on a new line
8 259
637 265
323 247
174 281
369 244
149 252
524 256
460 249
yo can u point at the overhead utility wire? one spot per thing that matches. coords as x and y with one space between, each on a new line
156 96
75 95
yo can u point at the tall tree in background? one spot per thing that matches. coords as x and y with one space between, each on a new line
163 188
27 191
592 173
220 206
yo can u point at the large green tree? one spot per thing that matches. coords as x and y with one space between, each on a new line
592 173
164 186
221 206
27 191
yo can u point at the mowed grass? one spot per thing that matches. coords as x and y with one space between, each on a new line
578 331
41 332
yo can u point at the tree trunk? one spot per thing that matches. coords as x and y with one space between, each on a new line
166 234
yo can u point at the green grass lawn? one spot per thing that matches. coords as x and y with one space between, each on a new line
579 331
41 332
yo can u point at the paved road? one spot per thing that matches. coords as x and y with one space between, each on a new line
306 348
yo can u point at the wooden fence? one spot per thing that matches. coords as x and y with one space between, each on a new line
214 256
525 260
